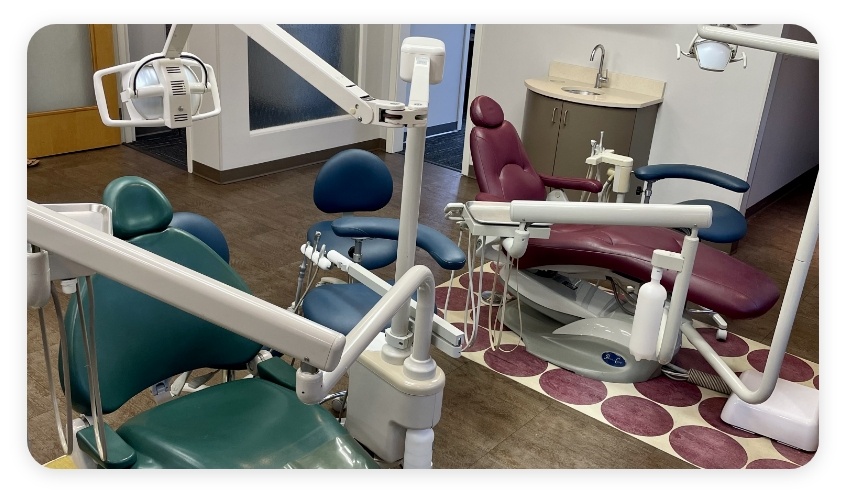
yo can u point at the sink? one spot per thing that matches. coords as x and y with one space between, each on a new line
580 91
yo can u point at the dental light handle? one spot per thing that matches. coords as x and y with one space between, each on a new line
649 314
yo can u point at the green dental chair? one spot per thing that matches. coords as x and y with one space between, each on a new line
252 422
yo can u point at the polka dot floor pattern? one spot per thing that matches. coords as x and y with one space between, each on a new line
675 416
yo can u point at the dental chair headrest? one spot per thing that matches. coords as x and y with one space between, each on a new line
486 112
138 207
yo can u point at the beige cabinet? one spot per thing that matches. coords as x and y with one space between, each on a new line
557 135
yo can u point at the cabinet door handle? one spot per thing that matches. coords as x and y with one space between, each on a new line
553 114
564 118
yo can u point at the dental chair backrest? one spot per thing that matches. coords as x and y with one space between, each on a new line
500 161
354 181
139 339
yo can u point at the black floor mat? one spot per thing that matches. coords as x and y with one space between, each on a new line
446 150
170 147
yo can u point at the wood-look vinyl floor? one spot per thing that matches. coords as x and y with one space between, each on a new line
487 420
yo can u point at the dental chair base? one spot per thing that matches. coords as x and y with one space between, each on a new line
791 415
390 413
591 340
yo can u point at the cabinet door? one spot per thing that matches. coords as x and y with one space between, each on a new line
581 123
541 117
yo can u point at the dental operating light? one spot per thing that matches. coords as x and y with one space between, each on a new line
712 55
162 89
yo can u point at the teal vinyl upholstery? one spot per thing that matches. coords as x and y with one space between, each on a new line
245 423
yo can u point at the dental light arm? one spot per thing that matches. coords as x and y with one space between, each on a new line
721 33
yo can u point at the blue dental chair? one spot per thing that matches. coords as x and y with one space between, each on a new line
729 224
355 180
252 422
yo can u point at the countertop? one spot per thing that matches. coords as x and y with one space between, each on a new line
621 90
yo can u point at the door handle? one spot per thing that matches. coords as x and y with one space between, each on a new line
553 115
564 118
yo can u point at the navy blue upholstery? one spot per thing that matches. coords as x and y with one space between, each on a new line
354 181
203 229
351 181
375 253
728 224
339 306
441 248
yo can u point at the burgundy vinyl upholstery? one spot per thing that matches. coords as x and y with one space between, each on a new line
719 282
502 168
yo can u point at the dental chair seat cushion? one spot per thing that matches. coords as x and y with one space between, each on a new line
340 306
728 224
375 253
719 281
246 423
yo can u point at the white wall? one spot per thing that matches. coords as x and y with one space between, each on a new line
789 138
226 142
710 119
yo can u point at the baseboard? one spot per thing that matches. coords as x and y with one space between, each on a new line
279 165
439 129
808 176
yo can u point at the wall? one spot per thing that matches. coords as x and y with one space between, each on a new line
226 142
145 39
789 138
707 118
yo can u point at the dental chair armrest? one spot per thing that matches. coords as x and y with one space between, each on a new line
581 184
119 454
441 248
650 173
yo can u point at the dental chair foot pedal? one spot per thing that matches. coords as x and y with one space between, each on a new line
791 415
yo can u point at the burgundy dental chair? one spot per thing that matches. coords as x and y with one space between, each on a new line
502 167
721 285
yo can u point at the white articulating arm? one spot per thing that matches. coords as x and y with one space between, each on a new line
184 288
754 40
804 251
325 78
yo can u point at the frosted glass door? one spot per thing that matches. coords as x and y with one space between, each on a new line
278 96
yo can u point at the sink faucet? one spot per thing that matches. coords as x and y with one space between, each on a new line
600 79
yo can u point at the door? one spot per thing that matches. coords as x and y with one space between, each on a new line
62 113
